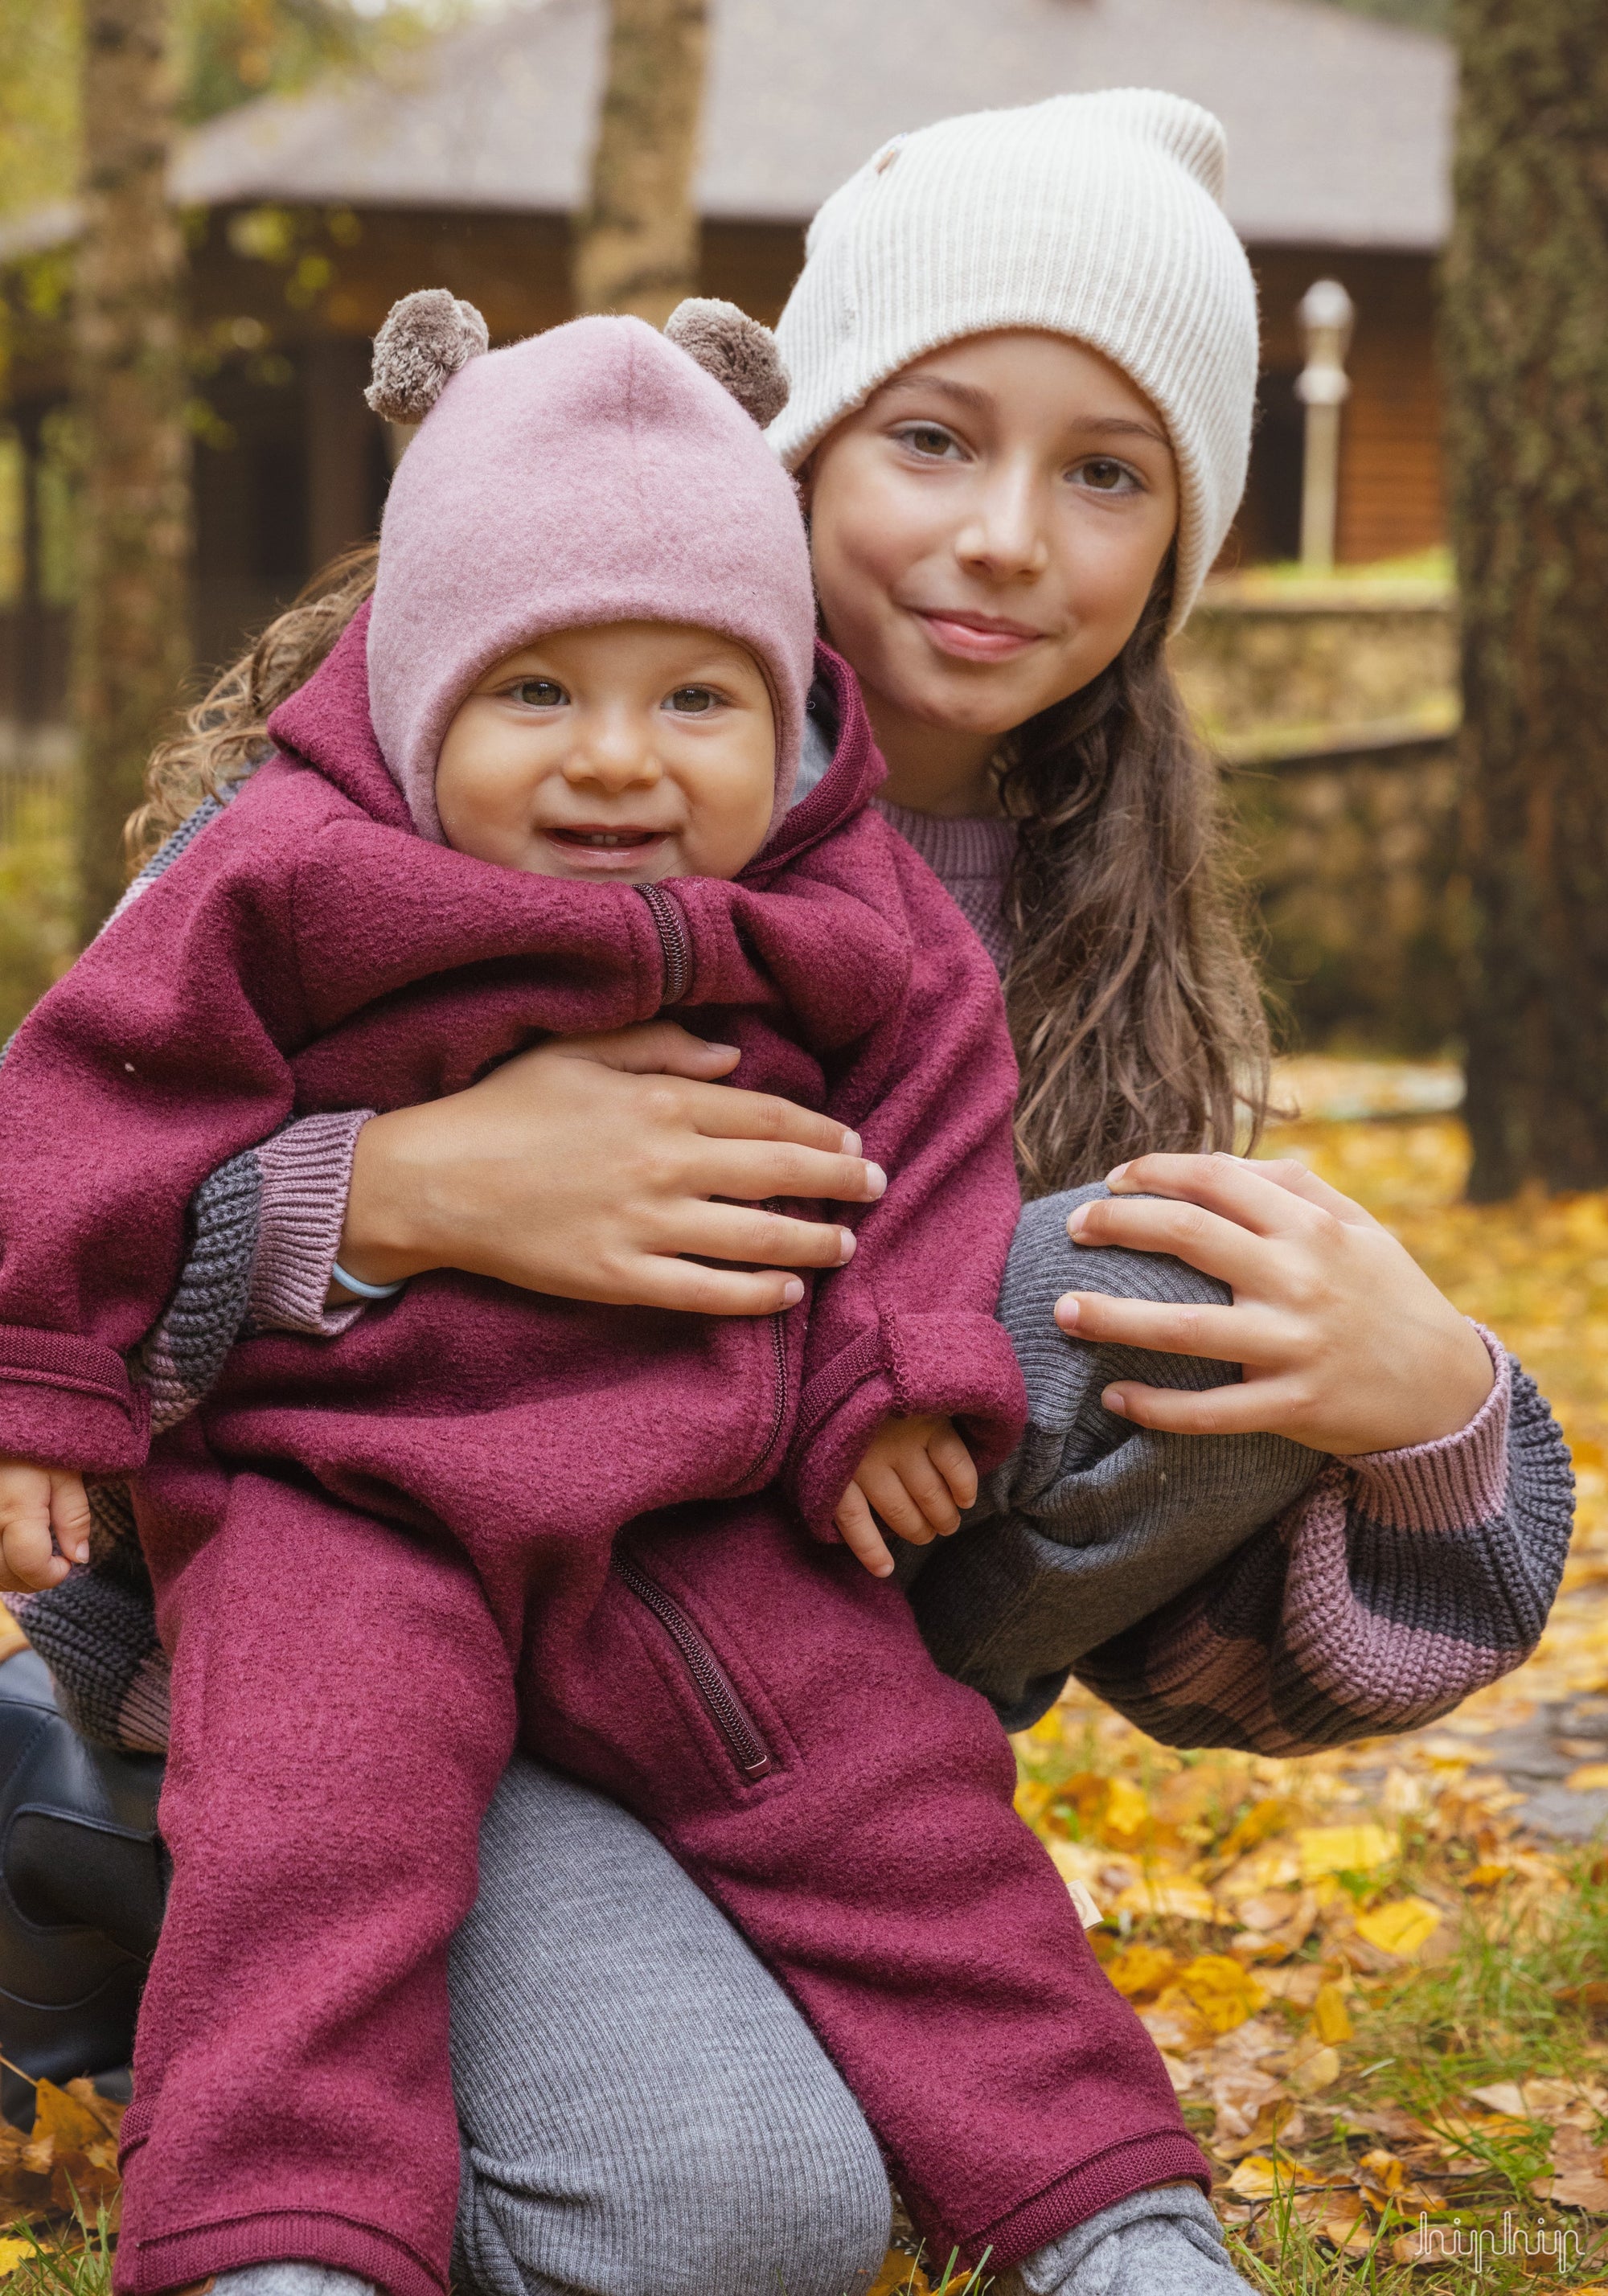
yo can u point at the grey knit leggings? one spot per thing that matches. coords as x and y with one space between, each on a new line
635 2089
643 2108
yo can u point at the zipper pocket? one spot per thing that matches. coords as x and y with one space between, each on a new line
778 1417
710 1679
666 913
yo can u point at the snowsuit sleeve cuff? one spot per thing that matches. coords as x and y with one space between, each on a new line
307 1177
68 1402
1458 1483
960 1366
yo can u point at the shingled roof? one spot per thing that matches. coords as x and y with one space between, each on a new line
1339 125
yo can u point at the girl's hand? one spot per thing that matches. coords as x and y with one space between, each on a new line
587 1168
35 1501
918 1475
1344 1342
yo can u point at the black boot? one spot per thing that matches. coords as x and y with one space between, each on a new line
82 1884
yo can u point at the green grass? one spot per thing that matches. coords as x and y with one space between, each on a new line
80 2266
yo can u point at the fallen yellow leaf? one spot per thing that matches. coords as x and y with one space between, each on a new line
1591 1778
1344 1849
901 2276
1330 2019
1320 2071
1258 2178
1184 1899
1261 1819
1127 1812
13 2252
1141 1969
71 2124
1405 1926
1224 1991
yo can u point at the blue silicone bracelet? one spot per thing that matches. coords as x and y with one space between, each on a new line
366 1291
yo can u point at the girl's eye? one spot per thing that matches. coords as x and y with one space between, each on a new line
694 701
1102 476
930 441
538 693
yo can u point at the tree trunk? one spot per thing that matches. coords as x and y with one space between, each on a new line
130 641
636 241
1525 339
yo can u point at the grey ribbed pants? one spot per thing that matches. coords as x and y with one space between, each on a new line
644 2111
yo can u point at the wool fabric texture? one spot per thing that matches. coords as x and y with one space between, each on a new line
1095 216
592 474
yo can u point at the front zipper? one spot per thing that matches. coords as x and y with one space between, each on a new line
666 913
710 1679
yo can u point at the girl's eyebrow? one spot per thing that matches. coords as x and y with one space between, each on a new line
1125 426
963 394
968 395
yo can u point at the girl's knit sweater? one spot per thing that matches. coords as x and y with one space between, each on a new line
1398 1584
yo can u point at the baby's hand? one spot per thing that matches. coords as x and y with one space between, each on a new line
917 1474
35 1501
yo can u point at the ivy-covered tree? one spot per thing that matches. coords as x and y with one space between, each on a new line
1525 346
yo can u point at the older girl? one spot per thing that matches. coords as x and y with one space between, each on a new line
1023 356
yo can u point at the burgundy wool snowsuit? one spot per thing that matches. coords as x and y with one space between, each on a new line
483 1518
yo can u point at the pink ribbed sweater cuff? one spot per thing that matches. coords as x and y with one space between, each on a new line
1456 1483
307 1176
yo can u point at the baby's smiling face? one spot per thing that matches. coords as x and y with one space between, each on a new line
633 752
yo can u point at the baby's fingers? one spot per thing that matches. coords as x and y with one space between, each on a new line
956 1464
860 1534
28 1564
69 1516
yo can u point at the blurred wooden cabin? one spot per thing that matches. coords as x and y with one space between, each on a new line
460 164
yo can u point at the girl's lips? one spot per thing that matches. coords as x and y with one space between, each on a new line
607 851
976 638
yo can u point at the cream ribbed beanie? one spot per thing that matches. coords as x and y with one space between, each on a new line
1091 215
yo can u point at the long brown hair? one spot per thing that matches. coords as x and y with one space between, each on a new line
1134 1008
226 732
1132 1005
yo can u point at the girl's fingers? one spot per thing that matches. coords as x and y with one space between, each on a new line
654 1048
750 1171
689 1290
1288 1173
1175 1328
860 1534
1201 1239
1226 1184
743 1232
1242 1408
956 1464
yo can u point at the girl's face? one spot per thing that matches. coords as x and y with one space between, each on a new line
986 531
636 750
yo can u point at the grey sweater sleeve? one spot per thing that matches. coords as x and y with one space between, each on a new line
1235 1590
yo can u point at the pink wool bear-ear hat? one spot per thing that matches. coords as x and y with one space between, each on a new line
601 473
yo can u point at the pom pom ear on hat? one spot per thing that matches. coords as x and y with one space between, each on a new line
427 337
741 353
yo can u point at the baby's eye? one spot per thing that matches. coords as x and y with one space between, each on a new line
1102 476
930 440
538 693
694 701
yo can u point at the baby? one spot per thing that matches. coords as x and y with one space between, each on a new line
542 787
